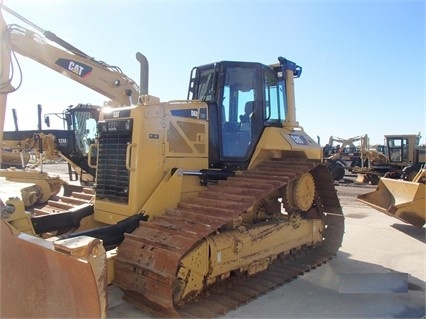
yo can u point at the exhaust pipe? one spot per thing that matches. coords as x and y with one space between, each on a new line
143 87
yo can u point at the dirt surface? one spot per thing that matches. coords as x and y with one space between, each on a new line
348 190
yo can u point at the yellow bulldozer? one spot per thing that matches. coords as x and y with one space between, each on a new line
200 205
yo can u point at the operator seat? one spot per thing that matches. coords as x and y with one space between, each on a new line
245 119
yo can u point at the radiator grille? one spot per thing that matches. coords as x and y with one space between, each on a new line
112 176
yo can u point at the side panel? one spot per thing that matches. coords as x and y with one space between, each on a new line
133 162
186 143
282 143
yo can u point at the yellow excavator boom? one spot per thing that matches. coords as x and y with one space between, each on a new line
105 79
5 85
57 54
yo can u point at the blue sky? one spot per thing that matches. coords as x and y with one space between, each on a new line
363 61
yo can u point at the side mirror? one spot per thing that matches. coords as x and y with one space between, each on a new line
47 120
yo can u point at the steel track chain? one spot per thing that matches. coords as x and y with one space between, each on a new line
148 259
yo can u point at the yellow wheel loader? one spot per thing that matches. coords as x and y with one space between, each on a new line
200 205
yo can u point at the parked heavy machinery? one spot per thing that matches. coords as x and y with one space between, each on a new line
71 62
200 205
223 201
405 200
403 159
51 145
406 155
346 148
336 165
72 143
341 157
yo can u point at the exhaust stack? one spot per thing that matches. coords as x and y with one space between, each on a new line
143 87
290 71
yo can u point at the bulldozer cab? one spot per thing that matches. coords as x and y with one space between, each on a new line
243 99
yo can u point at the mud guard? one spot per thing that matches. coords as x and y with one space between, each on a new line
41 279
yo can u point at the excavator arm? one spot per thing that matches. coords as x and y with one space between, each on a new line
5 85
105 79
350 141
57 54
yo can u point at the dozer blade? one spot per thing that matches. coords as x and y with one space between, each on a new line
401 199
41 279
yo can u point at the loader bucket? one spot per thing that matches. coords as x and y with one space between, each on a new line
41 279
401 199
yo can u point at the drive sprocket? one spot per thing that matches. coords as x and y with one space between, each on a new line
300 193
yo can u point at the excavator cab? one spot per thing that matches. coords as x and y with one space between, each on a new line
80 119
73 141
81 122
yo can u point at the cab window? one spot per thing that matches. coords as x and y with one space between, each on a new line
237 110
275 100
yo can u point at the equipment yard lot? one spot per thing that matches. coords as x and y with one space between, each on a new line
376 250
